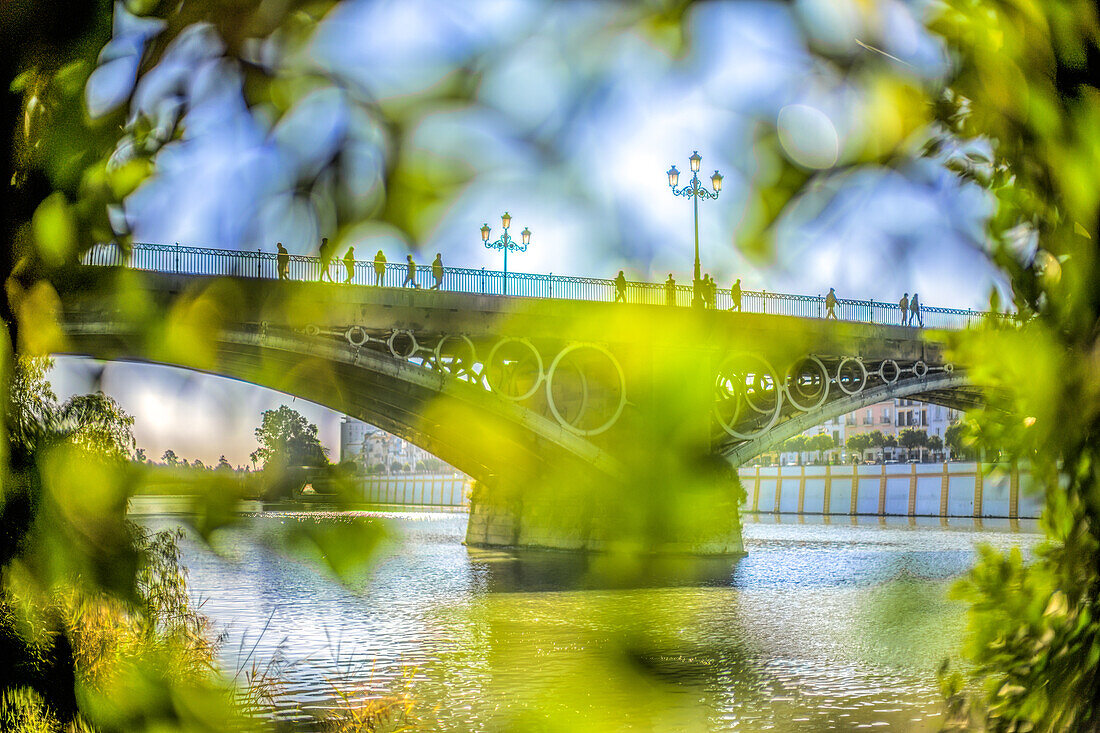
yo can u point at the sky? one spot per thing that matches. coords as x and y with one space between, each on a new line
573 127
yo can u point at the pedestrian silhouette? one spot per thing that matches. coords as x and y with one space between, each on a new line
670 290
283 261
437 271
735 295
410 272
379 268
710 291
349 264
914 310
830 305
903 305
325 253
620 287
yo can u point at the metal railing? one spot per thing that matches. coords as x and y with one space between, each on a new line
415 490
264 265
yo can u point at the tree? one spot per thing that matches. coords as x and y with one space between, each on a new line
170 459
958 440
223 464
98 423
858 443
198 464
822 442
912 438
935 443
31 400
286 438
796 444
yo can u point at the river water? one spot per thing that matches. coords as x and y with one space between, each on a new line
834 626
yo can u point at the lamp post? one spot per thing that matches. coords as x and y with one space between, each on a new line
506 243
695 190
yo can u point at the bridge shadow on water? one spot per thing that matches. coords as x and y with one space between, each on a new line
539 571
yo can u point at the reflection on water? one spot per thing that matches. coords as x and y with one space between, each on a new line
821 626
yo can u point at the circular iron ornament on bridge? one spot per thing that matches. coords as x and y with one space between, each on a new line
357 336
312 329
519 372
807 384
920 369
588 386
455 355
402 344
851 375
747 380
949 367
889 371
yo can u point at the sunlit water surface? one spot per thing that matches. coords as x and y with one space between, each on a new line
819 627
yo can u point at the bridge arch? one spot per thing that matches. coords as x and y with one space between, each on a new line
459 422
948 388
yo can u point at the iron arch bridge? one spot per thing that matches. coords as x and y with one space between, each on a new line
567 412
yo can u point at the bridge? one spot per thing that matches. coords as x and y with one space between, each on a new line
587 424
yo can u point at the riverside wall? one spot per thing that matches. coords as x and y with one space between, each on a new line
914 490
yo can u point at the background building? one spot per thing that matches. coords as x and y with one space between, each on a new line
892 416
889 417
374 448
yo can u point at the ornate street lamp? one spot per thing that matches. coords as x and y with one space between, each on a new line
695 190
506 243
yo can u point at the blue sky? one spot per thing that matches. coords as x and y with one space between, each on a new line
574 123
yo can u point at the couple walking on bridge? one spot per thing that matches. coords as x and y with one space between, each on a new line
910 311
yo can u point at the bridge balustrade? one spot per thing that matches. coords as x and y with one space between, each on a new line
202 261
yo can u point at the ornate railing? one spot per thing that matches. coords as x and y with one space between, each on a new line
260 264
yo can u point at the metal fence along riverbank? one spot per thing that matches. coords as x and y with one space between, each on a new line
416 490
913 490
264 265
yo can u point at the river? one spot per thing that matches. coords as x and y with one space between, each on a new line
835 626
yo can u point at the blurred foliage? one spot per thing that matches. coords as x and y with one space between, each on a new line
1024 79
1020 80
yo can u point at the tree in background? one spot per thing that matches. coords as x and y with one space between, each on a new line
822 442
858 444
98 423
286 438
958 440
796 444
913 439
170 459
935 443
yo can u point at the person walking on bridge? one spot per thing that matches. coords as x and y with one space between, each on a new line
903 305
670 290
282 260
620 287
735 296
379 268
349 264
410 272
830 305
914 310
325 253
437 271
